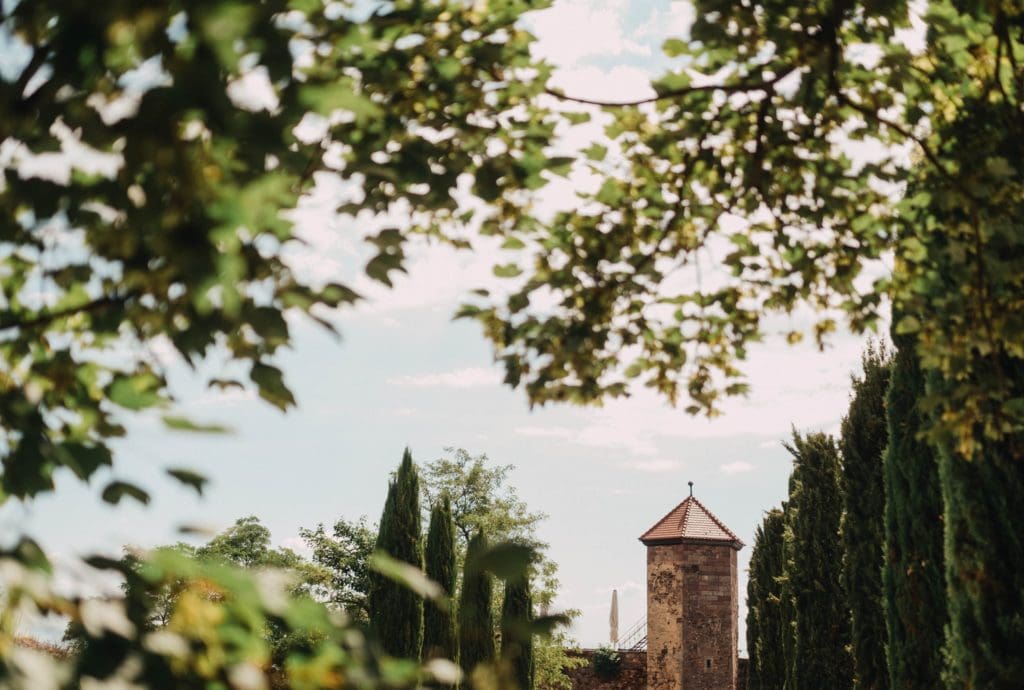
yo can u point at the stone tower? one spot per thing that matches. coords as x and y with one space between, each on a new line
692 601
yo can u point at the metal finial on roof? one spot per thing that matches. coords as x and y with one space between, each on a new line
691 488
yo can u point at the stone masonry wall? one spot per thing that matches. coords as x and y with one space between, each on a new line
632 673
692 617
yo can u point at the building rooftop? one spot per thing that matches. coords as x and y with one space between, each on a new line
690 522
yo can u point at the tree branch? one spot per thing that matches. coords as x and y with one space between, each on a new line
907 134
39 54
11 321
739 87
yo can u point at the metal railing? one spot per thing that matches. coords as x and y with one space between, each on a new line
635 638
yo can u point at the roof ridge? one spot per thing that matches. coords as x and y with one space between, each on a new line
666 517
714 518
686 513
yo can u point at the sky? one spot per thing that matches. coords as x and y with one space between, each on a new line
405 374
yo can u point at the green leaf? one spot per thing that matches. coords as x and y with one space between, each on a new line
577 118
327 98
506 560
596 152
674 47
116 490
507 271
907 325
189 478
448 67
84 459
408 576
270 381
185 424
136 392
560 165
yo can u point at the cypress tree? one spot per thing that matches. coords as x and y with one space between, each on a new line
755 602
964 310
913 580
396 612
820 655
516 640
476 623
766 626
983 496
863 441
439 638
787 605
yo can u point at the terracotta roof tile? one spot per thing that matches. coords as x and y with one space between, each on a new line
690 521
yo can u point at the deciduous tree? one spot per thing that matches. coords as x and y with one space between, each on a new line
343 554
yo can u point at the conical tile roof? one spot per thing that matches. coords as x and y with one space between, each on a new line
690 521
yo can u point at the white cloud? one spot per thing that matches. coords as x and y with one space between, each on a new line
469 377
737 467
672 22
572 30
620 83
546 431
656 466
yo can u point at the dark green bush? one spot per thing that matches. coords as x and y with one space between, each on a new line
607 663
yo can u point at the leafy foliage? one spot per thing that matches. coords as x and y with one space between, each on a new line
343 555
607 663
145 197
862 442
396 612
482 498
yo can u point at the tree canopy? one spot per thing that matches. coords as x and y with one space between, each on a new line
826 159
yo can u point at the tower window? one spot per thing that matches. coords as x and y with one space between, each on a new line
707 663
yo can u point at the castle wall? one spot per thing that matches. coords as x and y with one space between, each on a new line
692 617
633 674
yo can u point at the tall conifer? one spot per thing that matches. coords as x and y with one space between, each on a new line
396 612
516 640
863 441
755 601
439 638
766 625
476 623
913 579
820 655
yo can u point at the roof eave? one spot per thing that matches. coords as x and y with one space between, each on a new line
669 541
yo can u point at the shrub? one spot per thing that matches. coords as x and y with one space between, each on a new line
607 663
